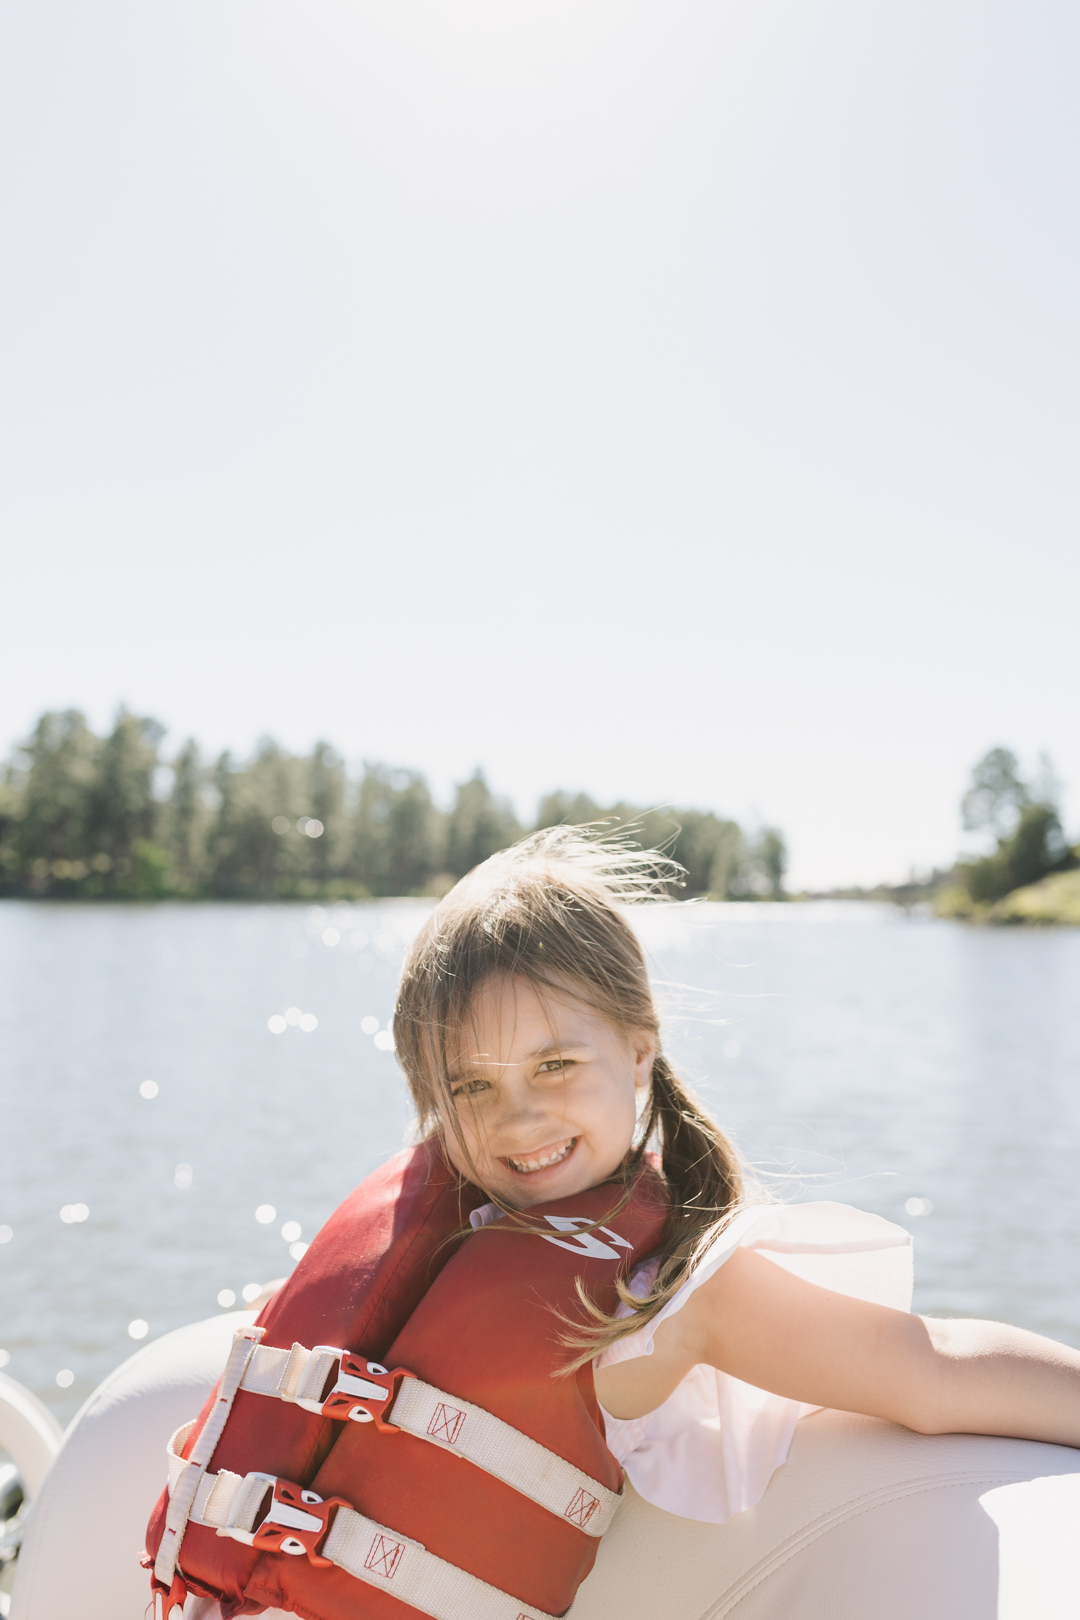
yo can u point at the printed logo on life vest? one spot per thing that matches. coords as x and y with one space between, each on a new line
446 1424
584 1242
582 1508
384 1556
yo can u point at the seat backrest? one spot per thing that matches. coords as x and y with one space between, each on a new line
865 1521
87 1524
28 1431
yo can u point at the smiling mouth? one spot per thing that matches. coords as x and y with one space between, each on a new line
545 1159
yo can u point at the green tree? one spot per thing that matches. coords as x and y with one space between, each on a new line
326 777
397 835
412 836
122 810
256 846
566 810
51 829
1035 849
1030 841
771 854
711 849
186 821
997 794
478 825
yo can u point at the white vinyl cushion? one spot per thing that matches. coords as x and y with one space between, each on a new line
87 1526
28 1432
866 1521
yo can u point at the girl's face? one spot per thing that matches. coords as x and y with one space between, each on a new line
546 1093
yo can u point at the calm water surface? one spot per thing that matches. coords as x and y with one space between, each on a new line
852 1053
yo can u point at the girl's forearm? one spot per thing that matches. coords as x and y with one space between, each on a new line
994 1379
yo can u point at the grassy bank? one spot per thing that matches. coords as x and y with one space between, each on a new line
1054 899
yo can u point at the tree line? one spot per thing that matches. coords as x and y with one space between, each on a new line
1023 819
97 817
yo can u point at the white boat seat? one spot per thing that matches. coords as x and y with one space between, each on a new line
866 1521
87 1523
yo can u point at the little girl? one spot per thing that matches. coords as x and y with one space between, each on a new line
403 1344
527 1030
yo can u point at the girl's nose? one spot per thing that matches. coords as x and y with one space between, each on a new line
521 1112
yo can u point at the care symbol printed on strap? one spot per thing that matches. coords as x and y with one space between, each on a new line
584 1242
446 1424
384 1556
581 1508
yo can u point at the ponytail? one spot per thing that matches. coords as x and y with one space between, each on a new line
704 1183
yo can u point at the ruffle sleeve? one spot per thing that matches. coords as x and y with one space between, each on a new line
710 1450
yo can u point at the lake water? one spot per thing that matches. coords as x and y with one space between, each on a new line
853 1053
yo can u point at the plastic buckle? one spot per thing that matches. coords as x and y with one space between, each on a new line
361 1392
296 1521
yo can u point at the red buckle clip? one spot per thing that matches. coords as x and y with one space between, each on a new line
362 1391
296 1522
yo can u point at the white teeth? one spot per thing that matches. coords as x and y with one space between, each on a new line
524 1166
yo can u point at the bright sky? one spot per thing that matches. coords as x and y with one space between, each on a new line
676 400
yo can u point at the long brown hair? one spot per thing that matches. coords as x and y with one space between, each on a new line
547 910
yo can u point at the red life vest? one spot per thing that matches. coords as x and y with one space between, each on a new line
392 1523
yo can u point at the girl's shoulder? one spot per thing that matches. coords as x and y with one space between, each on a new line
710 1450
833 1245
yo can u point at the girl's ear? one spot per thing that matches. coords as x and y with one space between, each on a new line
643 1049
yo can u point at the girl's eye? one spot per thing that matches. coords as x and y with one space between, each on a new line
554 1066
469 1088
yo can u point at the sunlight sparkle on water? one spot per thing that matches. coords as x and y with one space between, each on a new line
330 936
183 1176
5 1357
265 1214
138 1329
226 1298
291 1231
369 1025
65 1378
276 1025
919 1206
384 1041
6 1234
308 1022
148 1089
293 1015
250 1291
297 1251
74 1212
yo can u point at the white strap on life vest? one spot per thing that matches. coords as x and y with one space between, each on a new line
453 1424
182 1494
231 1503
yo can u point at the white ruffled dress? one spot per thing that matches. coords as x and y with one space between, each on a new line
710 1450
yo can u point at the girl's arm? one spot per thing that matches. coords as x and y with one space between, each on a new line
757 1322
